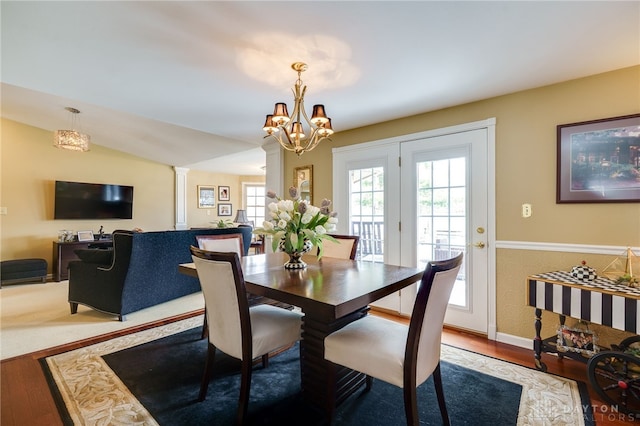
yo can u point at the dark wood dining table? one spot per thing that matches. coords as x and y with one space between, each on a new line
331 293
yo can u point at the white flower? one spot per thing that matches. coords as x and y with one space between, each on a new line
268 226
320 230
306 218
273 207
285 216
282 224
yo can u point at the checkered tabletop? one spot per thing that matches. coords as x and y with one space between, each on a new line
601 283
600 301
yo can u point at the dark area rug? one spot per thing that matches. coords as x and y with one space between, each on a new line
164 375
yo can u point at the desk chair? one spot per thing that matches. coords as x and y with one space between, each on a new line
345 248
402 355
232 243
236 329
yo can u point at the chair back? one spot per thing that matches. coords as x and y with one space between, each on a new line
225 297
427 318
346 247
222 243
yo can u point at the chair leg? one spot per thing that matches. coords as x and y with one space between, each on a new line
206 375
368 383
265 360
245 388
437 380
205 325
411 405
74 308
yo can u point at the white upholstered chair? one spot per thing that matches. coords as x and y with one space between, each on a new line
402 355
222 242
234 328
346 247
231 243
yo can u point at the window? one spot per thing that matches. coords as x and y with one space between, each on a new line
254 201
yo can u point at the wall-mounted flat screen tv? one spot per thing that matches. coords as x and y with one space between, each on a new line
78 200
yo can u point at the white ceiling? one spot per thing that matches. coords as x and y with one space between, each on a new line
189 83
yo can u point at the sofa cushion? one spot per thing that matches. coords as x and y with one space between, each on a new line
97 256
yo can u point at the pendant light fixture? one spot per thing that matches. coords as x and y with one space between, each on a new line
73 140
290 130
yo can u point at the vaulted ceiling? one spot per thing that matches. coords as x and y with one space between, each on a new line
189 83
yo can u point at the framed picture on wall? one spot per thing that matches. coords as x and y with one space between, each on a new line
223 193
303 181
224 209
599 161
206 197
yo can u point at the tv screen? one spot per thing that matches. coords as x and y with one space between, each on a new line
77 200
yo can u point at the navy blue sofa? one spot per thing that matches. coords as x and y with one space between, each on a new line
141 271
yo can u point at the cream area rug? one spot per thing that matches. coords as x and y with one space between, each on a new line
93 393
37 316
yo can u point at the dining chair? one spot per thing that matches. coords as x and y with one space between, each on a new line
346 247
223 243
402 355
240 331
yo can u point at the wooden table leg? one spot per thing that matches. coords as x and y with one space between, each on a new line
318 384
537 342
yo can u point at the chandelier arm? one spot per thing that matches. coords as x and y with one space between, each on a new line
281 142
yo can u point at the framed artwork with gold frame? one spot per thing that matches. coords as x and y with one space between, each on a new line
206 197
303 181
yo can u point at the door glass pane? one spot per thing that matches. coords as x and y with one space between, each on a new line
441 220
366 199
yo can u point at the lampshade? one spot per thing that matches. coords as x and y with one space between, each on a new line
241 217
73 140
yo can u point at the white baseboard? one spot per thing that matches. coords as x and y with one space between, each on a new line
512 340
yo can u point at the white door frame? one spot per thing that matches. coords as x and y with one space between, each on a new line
340 195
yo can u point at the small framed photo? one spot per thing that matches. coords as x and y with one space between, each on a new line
223 193
224 209
206 197
599 161
582 341
85 236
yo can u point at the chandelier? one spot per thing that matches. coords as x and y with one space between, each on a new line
71 139
289 130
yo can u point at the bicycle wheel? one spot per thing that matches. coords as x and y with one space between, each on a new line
615 376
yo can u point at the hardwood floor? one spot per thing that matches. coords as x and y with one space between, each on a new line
26 400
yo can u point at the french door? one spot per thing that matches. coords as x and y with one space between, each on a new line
420 198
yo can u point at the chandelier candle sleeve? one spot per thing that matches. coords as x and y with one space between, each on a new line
289 130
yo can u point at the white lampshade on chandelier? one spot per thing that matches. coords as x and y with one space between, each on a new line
72 140
289 130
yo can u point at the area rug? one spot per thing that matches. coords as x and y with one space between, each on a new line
153 377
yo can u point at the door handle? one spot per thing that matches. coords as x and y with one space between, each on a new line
479 245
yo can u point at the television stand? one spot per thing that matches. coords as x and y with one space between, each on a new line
63 253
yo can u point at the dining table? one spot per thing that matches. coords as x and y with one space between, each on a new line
331 293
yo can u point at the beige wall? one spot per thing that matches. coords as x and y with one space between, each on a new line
204 217
525 172
30 165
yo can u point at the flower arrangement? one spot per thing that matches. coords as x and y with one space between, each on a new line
294 222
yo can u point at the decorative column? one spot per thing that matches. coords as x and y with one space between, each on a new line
274 176
181 197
